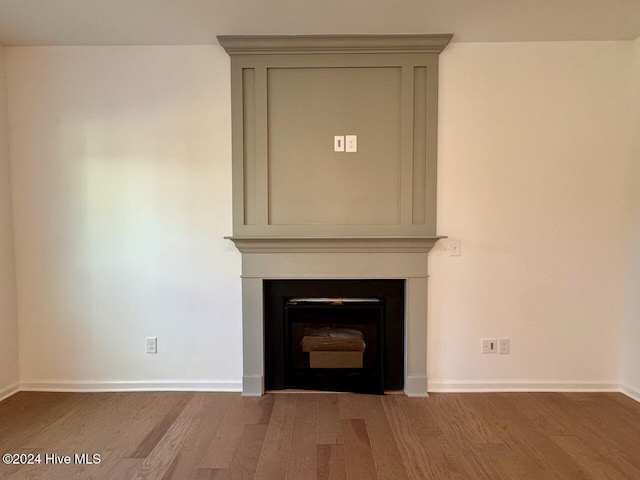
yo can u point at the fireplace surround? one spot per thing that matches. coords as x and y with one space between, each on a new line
304 210
404 261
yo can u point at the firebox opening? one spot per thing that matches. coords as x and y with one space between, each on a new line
340 335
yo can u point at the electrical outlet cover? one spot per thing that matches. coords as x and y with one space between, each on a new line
151 344
351 143
489 345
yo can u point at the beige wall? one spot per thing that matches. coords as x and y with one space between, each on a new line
631 318
8 317
533 159
122 171
122 188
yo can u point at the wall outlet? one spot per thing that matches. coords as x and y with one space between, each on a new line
351 143
151 344
489 345
504 345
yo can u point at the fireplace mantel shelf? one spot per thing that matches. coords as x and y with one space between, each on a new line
354 244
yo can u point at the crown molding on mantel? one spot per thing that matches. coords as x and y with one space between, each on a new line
372 244
309 44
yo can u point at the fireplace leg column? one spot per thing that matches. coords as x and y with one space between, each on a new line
252 338
416 333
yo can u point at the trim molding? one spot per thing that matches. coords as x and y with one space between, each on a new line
297 44
252 385
470 386
334 244
132 386
416 386
9 391
631 392
255 384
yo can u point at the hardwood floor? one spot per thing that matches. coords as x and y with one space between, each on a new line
298 436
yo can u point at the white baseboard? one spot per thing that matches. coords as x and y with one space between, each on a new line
455 386
254 384
132 386
631 392
8 391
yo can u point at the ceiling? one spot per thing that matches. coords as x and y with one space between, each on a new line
180 22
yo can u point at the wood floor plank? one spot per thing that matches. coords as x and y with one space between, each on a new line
199 438
112 439
504 463
454 424
27 414
331 463
85 429
426 454
476 428
160 429
538 446
357 450
135 415
72 424
225 440
532 407
329 424
627 402
210 474
622 407
485 459
263 410
422 408
386 455
159 460
597 466
614 423
591 434
278 439
245 459
123 469
528 427
50 472
302 464
350 406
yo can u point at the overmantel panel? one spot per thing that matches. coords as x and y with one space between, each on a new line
285 101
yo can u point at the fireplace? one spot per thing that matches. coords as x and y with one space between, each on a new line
306 210
264 261
340 335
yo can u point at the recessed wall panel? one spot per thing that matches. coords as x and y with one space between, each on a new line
419 143
308 182
249 145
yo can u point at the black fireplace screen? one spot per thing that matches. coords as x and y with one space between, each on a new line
334 343
341 343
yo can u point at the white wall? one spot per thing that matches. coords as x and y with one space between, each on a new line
8 317
631 314
122 194
533 159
